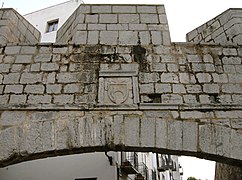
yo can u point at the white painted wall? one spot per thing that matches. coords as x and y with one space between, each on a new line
61 11
176 174
63 168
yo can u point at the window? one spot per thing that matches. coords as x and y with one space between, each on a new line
52 26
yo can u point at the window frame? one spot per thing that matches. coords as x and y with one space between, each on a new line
52 25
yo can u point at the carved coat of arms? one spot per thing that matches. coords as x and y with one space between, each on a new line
117 92
118 86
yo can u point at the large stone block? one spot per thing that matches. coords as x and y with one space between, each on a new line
132 130
30 78
174 134
109 37
11 78
207 140
8 144
189 135
16 89
147 136
34 89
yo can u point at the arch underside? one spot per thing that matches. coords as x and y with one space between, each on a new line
40 134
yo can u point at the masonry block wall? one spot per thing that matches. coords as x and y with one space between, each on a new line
178 98
116 25
225 28
14 28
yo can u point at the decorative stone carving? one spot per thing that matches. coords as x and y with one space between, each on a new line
118 90
118 86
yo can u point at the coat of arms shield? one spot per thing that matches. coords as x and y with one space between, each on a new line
118 92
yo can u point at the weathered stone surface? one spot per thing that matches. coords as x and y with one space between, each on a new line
206 139
222 29
12 50
190 135
169 77
39 99
30 78
117 25
171 99
174 135
4 68
34 89
128 38
17 99
17 29
147 138
109 37
23 59
163 88
49 67
8 143
161 133
131 130
16 89
11 78
170 87
121 86
227 172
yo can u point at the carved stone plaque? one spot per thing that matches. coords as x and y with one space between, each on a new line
118 90
118 87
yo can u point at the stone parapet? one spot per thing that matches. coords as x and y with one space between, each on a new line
116 25
16 29
225 28
45 76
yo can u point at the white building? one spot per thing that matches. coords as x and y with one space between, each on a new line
97 166
91 166
50 19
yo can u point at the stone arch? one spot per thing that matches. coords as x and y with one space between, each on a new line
39 134
124 90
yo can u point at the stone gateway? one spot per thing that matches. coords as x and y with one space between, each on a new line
114 81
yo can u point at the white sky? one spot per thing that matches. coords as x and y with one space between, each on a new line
183 16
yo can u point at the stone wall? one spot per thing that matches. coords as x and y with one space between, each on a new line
225 28
116 25
193 92
14 28
60 75
177 98
226 172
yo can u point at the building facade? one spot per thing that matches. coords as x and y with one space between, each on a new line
97 166
49 20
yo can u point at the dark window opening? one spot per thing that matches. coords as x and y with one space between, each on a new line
52 26
155 98
214 98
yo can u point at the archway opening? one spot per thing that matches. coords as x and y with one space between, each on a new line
111 165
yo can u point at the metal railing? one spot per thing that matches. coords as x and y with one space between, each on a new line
166 163
132 158
143 170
